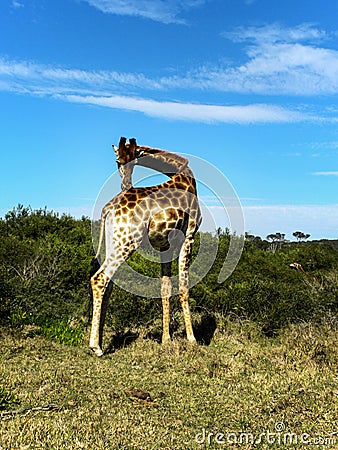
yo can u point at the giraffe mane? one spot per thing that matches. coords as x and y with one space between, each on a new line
161 160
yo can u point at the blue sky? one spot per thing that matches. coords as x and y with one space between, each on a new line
249 85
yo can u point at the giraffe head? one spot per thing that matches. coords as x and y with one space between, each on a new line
130 154
126 158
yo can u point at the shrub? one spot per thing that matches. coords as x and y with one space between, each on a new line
45 271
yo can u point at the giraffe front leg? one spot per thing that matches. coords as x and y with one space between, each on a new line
99 283
165 294
166 260
184 287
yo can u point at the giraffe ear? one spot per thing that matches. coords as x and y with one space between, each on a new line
116 150
132 147
121 150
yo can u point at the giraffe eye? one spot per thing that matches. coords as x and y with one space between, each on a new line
139 153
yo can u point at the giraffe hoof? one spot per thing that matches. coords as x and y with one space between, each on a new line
166 340
97 351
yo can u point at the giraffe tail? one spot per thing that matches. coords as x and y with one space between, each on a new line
95 265
102 224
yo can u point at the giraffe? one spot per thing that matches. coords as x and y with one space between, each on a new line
154 213
295 265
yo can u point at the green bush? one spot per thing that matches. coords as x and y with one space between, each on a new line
68 332
44 264
45 271
61 331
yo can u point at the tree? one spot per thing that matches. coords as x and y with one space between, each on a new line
277 240
300 236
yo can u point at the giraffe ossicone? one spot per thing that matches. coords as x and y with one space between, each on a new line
154 213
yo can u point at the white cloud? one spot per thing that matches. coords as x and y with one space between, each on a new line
287 61
291 69
323 145
96 87
319 149
32 75
328 173
255 113
279 61
16 4
273 33
165 11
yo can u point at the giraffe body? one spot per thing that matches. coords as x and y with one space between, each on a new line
167 214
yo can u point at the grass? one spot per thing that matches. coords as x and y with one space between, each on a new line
63 331
242 382
7 399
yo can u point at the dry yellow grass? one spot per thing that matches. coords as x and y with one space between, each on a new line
242 382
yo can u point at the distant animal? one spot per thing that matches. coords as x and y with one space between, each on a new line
297 266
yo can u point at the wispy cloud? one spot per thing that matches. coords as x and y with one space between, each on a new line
165 11
289 61
279 61
96 88
255 113
319 149
326 174
16 4
324 145
276 33
30 76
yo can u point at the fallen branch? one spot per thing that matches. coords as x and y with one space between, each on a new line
7 415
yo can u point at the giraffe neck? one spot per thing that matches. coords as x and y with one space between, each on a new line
163 161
